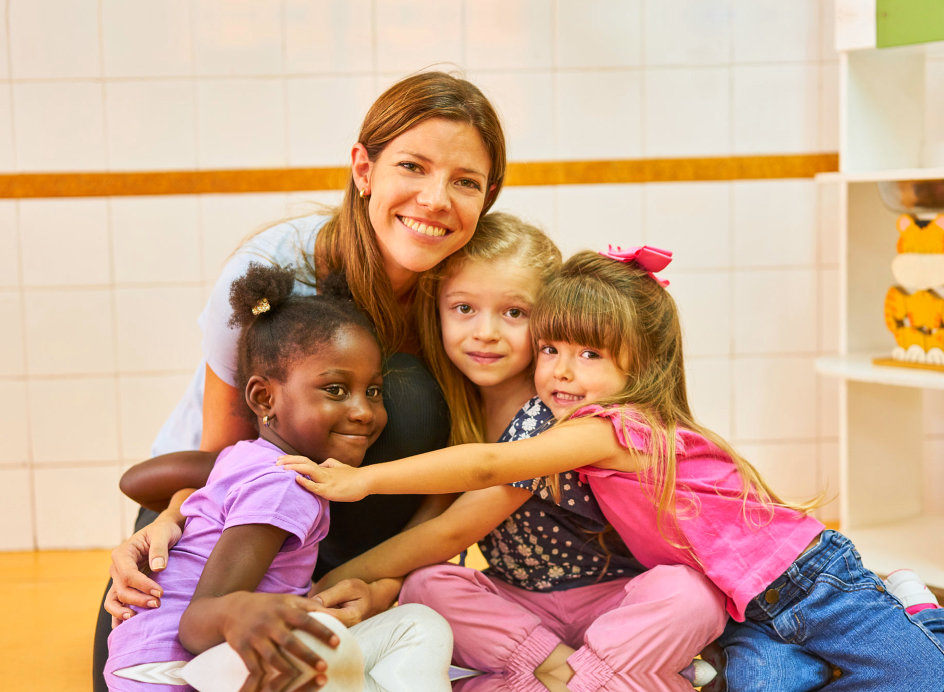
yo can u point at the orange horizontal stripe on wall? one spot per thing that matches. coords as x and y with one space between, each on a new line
32 185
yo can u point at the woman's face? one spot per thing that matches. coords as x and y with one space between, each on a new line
427 190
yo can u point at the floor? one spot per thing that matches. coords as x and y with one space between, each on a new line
49 602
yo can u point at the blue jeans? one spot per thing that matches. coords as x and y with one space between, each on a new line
828 614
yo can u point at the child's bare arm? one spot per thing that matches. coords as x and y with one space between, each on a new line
582 442
238 562
465 522
152 483
257 625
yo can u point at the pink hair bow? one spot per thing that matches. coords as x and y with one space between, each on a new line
652 259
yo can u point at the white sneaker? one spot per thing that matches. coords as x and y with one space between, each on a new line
699 672
908 588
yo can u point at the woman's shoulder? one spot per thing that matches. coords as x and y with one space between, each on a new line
285 242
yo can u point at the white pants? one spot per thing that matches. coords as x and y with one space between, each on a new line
405 649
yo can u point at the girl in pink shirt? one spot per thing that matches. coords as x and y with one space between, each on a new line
610 367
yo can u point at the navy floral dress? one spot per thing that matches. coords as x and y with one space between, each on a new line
548 545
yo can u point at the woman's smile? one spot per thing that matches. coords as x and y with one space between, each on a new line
424 228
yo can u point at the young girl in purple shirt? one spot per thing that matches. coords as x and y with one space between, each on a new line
310 368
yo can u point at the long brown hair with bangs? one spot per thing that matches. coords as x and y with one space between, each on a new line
603 303
497 236
346 243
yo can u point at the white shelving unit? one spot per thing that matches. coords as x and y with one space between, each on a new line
884 135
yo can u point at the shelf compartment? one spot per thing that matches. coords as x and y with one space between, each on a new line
860 368
912 543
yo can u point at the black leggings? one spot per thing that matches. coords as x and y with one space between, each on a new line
418 421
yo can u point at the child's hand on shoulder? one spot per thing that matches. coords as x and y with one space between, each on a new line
331 479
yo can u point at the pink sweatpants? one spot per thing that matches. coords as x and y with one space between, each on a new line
650 626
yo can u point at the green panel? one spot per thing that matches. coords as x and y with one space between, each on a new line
904 22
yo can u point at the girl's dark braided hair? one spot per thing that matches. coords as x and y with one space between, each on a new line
279 326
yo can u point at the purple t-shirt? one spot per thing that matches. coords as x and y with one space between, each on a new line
245 487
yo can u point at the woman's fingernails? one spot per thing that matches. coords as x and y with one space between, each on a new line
125 616
152 604
157 563
156 593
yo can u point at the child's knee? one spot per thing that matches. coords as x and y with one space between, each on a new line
427 623
432 583
687 595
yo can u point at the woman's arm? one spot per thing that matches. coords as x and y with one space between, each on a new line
154 482
581 442
465 522
224 422
353 600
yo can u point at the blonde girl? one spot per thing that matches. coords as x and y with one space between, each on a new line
557 586
610 365
475 309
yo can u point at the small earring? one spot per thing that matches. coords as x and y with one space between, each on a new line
266 419
364 194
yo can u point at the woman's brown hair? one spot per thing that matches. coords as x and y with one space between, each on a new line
346 244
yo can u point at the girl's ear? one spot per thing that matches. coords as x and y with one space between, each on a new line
260 395
361 166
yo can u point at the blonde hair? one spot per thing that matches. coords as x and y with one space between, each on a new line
497 236
347 244
602 303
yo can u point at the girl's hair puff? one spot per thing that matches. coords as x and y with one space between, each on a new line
603 303
279 326
498 236
347 243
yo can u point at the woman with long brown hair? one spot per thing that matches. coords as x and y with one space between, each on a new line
429 161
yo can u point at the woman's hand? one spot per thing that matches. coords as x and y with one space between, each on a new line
259 628
331 480
147 548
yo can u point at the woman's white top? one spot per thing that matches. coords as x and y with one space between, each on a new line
285 244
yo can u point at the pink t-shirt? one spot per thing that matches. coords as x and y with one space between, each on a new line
742 547
245 487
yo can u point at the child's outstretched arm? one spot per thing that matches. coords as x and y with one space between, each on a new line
581 442
465 522
152 483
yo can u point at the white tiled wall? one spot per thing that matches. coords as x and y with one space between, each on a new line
99 297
